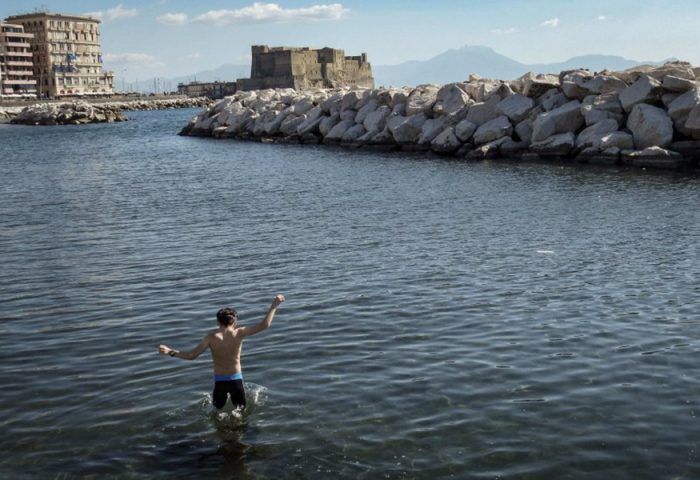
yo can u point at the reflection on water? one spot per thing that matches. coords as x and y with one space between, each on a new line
444 319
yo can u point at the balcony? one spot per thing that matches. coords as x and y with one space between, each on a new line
7 81
24 73
12 63
17 44
18 54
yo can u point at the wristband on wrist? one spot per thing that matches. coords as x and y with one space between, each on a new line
172 353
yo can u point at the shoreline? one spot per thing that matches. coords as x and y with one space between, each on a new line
646 117
96 111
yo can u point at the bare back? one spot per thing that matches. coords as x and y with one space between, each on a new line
225 345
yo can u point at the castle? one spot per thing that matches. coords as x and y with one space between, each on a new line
302 68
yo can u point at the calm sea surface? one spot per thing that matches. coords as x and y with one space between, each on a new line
443 319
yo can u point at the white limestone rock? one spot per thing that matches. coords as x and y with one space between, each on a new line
446 142
353 133
482 112
464 130
421 99
559 144
590 135
493 130
516 107
450 98
376 120
567 118
681 107
312 122
693 122
601 84
572 84
602 107
431 129
534 86
350 100
618 140
370 106
333 103
551 99
645 90
336 133
327 124
302 106
524 130
392 96
406 130
678 85
291 123
650 126
348 114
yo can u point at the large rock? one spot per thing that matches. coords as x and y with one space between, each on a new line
353 133
406 130
650 126
350 100
557 145
693 122
534 86
572 83
524 130
450 99
303 106
591 135
327 123
333 103
482 112
464 130
421 99
601 84
676 84
336 133
619 140
493 130
602 107
291 123
681 107
431 129
446 142
645 90
370 106
516 107
376 120
567 118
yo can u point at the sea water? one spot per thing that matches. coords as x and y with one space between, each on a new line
444 319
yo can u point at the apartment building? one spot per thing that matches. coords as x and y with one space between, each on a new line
16 73
66 55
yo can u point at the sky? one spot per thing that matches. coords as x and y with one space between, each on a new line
166 38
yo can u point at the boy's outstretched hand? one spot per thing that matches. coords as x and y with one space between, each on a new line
277 301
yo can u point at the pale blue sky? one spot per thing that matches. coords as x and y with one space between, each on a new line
179 37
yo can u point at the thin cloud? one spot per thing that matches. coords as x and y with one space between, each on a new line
115 13
128 58
504 31
551 23
173 19
271 13
602 18
192 56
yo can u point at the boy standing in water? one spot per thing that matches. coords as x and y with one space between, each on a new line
225 345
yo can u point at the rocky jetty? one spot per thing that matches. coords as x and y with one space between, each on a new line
81 112
75 113
647 116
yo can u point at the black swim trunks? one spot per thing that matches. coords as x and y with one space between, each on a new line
225 385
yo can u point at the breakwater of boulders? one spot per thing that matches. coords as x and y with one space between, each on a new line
647 116
82 112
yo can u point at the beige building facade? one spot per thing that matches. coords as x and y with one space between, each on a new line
16 66
302 68
66 55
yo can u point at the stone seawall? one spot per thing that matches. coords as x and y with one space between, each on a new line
81 112
645 116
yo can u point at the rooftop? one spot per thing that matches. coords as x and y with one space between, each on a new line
67 16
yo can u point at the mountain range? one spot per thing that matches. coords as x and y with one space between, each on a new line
450 66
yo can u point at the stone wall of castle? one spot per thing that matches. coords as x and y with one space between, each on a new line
304 68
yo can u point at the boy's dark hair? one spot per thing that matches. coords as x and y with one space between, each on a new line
226 316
